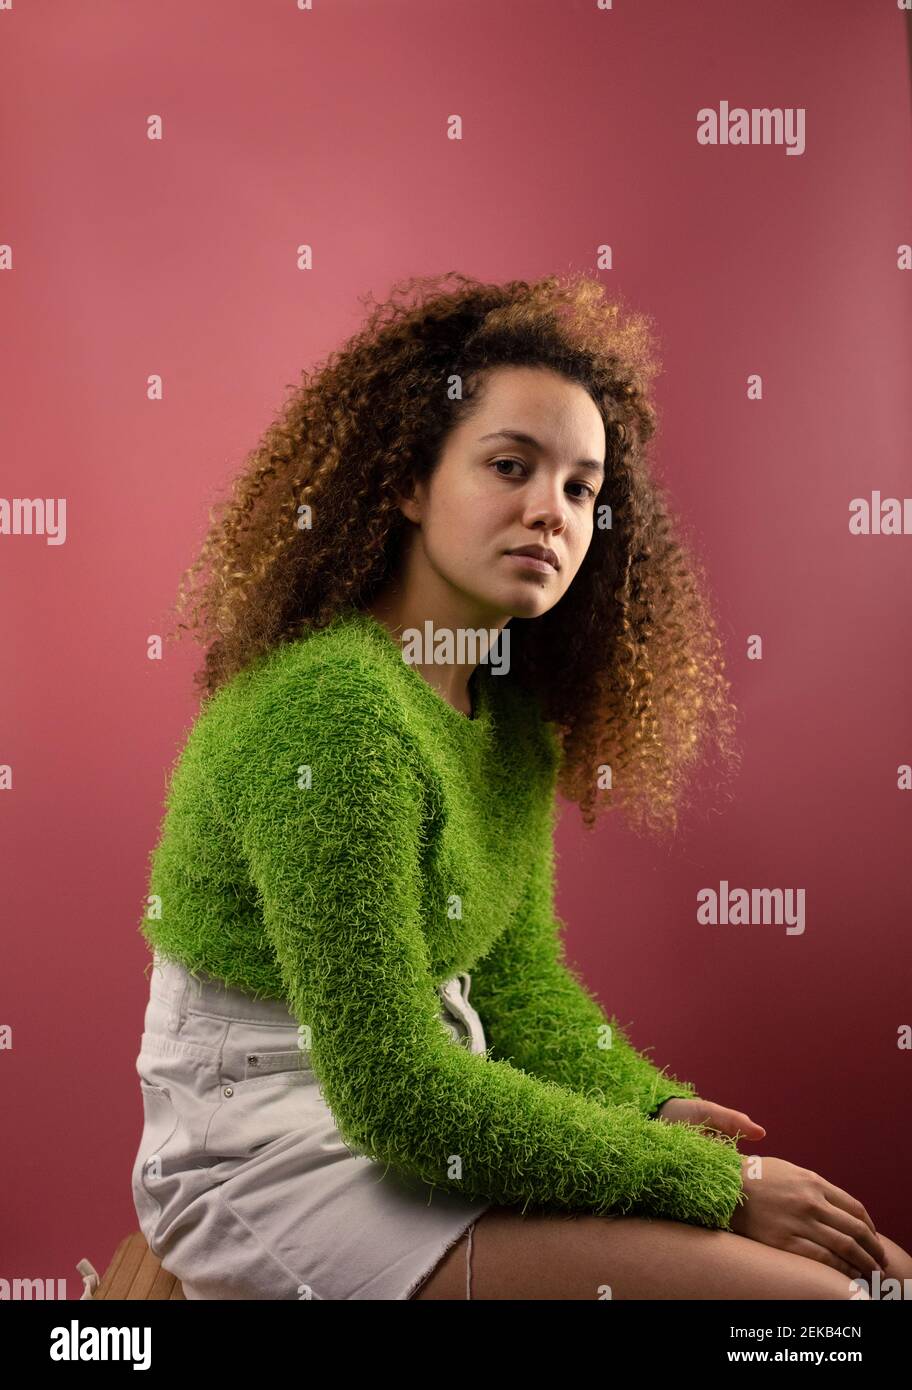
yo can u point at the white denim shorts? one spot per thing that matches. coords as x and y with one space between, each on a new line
242 1184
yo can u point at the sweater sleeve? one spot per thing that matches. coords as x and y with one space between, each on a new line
538 1014
329 809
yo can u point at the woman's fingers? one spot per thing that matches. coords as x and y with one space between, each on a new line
856 1227
745 1123
823 1255
848 1239
847 1203
731 1122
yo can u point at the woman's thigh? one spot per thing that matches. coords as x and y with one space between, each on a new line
548 1255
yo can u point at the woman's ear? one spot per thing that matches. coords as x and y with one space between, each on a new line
410 504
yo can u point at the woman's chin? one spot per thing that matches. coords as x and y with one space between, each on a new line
531 603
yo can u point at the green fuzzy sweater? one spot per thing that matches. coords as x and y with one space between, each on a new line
337 835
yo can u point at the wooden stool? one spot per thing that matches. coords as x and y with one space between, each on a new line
134 1272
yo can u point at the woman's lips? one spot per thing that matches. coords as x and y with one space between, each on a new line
532 562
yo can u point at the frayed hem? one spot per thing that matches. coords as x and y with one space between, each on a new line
422 1278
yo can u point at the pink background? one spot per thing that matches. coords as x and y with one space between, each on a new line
177 257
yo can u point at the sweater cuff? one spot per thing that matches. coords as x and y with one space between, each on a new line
667 1089
702 1177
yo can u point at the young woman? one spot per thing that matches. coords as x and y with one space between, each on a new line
367 1069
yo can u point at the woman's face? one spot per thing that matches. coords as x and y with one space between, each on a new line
491 494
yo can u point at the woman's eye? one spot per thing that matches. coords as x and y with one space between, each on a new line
587 490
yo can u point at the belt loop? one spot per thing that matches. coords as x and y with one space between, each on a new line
455 993
177 1010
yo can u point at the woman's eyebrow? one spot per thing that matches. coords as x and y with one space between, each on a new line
591 464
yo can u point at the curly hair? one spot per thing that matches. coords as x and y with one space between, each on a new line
627 666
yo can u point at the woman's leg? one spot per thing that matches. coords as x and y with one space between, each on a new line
545 1255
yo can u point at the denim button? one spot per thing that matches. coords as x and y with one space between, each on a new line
228 1091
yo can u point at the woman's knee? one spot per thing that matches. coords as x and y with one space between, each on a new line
898 1260
647 1258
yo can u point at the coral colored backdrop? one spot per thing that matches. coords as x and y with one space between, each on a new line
133 257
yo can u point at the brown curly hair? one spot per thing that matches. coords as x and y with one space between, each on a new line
627 666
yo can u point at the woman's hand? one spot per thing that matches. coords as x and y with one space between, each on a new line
706 1114
797 1210
788 1207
